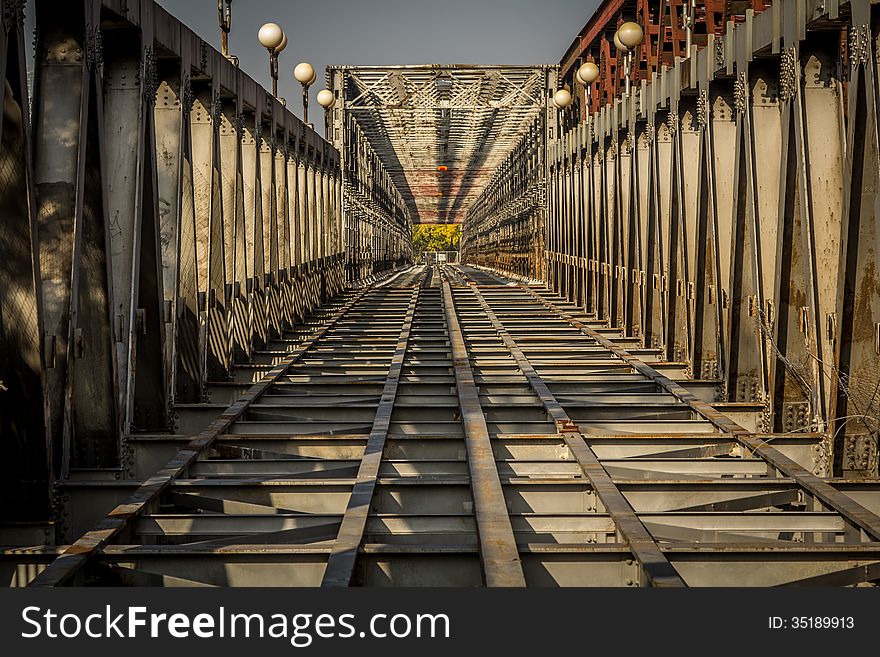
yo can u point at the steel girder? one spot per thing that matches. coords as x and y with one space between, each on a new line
25 481
725 212
419 119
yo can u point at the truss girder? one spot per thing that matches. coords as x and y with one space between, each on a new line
420 118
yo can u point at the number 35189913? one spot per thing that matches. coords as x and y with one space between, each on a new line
811 623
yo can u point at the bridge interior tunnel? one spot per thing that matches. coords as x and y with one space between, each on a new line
456 144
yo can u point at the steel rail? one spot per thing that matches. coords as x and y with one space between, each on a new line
657 568
78 554
858 515
343 554
498 551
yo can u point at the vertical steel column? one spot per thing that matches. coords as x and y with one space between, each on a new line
253 225
858 299
205 119
74 240
240 248
706 351
26 469
677 273
177 235
746 375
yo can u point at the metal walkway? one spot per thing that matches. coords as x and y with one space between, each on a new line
448 426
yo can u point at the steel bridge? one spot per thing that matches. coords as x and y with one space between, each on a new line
655 363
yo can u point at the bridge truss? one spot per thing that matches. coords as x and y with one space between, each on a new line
656 365
167 220
440 131
724 212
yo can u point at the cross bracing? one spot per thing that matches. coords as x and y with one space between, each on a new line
419 119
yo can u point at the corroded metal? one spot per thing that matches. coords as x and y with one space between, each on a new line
789 74
498 552
78 554
738 265
466 118
343 554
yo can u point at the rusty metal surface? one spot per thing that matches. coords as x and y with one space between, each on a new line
25 473
498 554
859 516
343 554
180 217
682 389
723 210
657 569
418 119
671 29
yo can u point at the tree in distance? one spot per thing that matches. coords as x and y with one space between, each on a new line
436 237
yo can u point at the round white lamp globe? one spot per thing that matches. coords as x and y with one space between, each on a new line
630 34
588 73
271 35
326 99
562 98
304 73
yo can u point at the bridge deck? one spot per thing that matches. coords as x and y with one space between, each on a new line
492 434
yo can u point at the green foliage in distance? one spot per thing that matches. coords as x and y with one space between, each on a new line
436 237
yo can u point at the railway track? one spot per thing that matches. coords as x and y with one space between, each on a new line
450 427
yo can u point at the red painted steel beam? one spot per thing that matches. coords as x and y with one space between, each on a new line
665 39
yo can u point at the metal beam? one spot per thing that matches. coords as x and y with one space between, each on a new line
341 563
658 571
501 563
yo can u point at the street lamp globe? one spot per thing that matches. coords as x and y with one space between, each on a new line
271 36
281 46
304 73
618 43
588 73
630 34
562 98
326 99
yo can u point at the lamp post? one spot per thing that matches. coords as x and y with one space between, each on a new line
688 18
326 99
627 37
587 74
273 39
224 14
563 99
304 73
